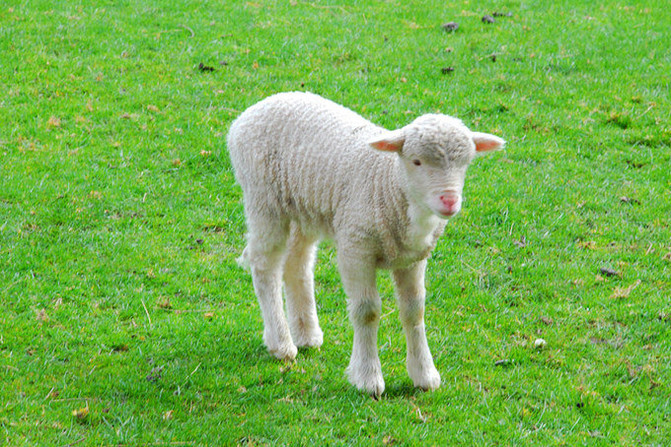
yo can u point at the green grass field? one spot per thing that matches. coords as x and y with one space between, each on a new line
124 319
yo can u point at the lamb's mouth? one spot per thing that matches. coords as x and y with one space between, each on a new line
447 214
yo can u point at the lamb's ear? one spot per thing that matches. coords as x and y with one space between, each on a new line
391 141
485 142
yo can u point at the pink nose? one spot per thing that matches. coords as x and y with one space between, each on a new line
449 199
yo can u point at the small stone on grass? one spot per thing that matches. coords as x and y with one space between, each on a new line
450 26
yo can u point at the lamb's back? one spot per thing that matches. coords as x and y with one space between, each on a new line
295 121
304 155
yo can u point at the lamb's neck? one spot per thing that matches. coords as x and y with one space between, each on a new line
422 226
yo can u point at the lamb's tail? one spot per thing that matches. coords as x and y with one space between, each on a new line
243 260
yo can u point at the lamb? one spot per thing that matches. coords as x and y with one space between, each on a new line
310 168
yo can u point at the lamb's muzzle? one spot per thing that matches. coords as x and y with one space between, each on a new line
451 203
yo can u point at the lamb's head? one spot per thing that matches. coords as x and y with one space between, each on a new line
434 152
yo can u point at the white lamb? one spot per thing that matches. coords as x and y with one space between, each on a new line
307 171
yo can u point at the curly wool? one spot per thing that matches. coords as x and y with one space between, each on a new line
301 158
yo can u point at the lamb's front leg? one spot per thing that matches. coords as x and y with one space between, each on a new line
364 370
410 295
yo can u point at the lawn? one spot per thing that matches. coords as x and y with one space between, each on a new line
125 320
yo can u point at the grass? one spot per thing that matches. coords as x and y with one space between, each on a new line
124 319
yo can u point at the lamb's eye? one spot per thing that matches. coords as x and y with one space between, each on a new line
416 162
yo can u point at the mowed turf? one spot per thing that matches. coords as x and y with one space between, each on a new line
124 319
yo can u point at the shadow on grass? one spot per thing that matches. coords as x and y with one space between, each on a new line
403 389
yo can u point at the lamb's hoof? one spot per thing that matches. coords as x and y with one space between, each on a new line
284 352
314 339
371 383
428 380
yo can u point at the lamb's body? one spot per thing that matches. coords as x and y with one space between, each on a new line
326 143
307 171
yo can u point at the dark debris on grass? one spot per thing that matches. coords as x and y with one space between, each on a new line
607 271
205 68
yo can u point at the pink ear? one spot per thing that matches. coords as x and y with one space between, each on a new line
485 142
389 141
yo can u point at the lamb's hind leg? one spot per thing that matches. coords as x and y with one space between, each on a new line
265 253
299 288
